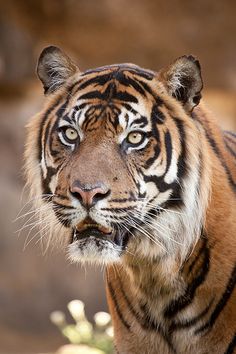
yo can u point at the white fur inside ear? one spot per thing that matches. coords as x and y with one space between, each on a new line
58 74
183 81
175 83
54 68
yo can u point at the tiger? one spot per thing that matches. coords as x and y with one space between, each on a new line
132 172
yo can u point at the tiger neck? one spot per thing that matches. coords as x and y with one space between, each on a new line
161 277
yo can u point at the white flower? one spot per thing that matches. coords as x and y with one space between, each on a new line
110 331
58 318
85 329
102 319
76 308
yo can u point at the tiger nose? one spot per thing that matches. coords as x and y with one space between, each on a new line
89 195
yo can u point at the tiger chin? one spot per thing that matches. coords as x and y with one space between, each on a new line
129 169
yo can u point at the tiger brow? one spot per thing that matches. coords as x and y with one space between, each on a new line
142 122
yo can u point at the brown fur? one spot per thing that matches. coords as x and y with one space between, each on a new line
148 278
181 301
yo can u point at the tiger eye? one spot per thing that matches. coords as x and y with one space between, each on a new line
71 134
135 138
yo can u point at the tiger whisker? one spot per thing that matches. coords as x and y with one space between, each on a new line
148 204
150 224
34 224
145 232
31 201
34 211
26 243
150 216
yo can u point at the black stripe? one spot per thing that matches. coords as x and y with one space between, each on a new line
175 199
60 114
182 166
221 159
124 200
48 112
125 96
50 171
231 346
175 326
231 151
67 118
157 116
129 108
147 88
116 306
202 248
142 122
145 321
221 304
162 186
176 195
81 106
229 138
157 149
46 181
108 94
150 324
148 75
230 133
99 80
64 219
168 146
75 110
55 153
186 299
119 210
216 149
50 109
128 81
95 94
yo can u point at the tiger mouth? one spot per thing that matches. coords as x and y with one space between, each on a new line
100 233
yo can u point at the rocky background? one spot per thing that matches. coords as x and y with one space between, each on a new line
95 32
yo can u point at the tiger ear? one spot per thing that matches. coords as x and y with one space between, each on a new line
183 81
54 68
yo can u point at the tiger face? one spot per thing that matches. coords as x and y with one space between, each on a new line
110 159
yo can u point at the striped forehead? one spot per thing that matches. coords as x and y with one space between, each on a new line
120 117
117 93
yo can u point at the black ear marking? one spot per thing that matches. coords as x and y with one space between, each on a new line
183 81
54 68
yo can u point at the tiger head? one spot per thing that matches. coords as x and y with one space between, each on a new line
115 158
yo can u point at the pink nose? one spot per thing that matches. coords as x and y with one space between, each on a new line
89 195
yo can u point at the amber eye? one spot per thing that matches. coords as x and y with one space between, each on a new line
135 138
70 135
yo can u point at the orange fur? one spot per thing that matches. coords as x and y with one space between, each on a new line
168 291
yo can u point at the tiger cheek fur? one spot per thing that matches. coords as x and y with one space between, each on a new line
130 170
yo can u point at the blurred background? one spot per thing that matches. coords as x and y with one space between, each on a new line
150 33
